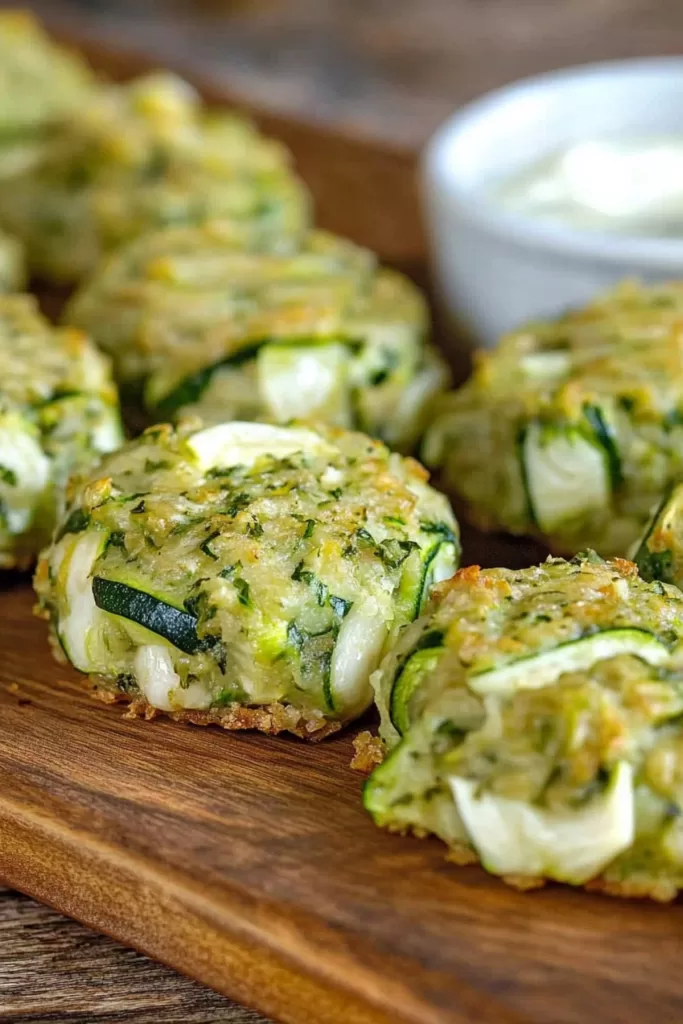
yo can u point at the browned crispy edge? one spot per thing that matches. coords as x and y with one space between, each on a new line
368 752
661 891
464 856
270 718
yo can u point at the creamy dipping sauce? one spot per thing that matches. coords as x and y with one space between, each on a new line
621 186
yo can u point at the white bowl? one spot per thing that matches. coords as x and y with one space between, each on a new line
496 269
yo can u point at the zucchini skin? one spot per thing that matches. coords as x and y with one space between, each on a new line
526 744
190 390
174 625
610 373
58 412
198 326
138 157
605 435
252 565
659 555
401 694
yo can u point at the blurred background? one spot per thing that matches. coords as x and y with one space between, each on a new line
390 69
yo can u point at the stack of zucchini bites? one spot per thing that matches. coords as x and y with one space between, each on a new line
266 554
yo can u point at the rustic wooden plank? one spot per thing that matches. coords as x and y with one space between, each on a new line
55 970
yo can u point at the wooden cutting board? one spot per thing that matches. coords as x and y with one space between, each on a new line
248 862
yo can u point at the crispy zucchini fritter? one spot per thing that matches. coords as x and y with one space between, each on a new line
572 430
533 719
244 573
58 412
317 330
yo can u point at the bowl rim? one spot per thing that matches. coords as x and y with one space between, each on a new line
531 232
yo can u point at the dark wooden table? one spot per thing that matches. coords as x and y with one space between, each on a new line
384 68
52 969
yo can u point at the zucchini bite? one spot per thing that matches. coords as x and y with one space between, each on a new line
320 331
533 720
571 430
244 574
40 83
58 411
145 156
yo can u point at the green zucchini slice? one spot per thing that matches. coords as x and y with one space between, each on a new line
567 475
173 624
191 388
659 565
79 627
407 682
440 564
537 670
605 435
423 568
410 416
401 793
381 784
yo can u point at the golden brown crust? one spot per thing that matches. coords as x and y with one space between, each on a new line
270 718
654 889
462 855
643 888
368 750
625 567
525 883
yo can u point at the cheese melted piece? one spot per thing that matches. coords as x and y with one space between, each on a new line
513 838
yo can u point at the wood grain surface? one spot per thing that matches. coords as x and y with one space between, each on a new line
55 970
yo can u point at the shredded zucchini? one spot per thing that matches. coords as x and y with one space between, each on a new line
571 430
533 722
246 565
